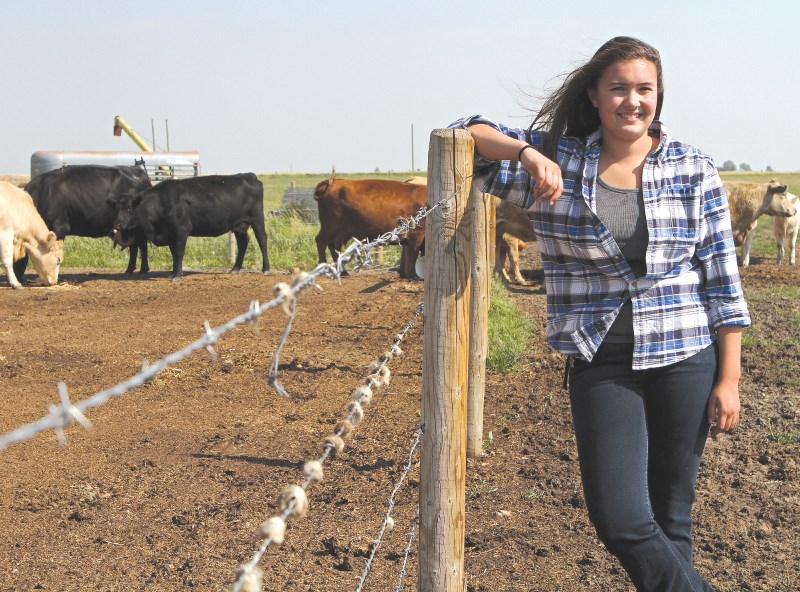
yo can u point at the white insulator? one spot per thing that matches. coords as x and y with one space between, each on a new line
335 442
373 366
389 523
398 338
387 355
252 580
356 412
363 395
294 496
283 289
396 351
344 428
374 382
313 470
274 529
386 375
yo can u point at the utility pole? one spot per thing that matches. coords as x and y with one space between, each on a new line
412 147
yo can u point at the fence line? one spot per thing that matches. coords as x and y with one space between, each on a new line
292 501
390 505
65 414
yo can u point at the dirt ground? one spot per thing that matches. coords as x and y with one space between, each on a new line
168 488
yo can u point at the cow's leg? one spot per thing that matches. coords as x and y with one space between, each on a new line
178 249
404 261
779 242
133 252
145 267
261 238
242 240
408 256
746 246
515 246
793 247
7 258
322 244
20 266
501 251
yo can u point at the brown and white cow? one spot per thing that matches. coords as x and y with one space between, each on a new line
23 232
366 209
786 229
513 233
748 201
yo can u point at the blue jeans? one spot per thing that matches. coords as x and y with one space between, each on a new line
640 436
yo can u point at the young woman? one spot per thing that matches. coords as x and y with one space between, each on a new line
643 296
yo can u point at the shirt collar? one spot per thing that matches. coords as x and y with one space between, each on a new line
656 128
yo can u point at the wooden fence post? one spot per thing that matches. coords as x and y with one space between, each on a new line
444 367
479 207
492 233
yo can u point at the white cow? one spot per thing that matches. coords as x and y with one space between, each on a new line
787 228
22 231
748 201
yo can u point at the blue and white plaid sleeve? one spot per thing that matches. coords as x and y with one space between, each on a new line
506 179
717 253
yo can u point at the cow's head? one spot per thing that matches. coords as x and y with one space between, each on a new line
46 258
776 201
123 230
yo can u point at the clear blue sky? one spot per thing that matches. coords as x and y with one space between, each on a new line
264 86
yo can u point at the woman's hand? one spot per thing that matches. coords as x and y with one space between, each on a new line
495 145
723 407
546 173
723 404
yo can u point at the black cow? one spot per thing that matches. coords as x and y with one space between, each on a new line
74 200
172 211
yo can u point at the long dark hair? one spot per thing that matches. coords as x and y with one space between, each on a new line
569 111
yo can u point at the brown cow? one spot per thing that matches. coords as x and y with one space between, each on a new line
748 201
23 232
513 233
366 209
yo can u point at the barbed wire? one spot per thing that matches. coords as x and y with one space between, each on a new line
409 546
292 502
390 506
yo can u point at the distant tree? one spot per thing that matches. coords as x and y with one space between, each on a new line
745 167
769 169
728 165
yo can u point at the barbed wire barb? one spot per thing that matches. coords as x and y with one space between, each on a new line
66 414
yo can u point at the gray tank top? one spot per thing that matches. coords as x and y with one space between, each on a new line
622 211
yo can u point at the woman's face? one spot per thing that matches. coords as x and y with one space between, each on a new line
625 97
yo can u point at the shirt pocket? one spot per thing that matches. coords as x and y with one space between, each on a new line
674 223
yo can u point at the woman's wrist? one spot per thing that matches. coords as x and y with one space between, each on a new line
522 149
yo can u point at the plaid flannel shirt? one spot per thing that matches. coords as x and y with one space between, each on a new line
692 284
